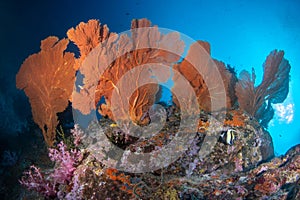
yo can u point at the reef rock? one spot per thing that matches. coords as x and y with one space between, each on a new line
251 145
220 171
276 179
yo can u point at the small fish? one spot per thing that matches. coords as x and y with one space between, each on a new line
113 125
228 136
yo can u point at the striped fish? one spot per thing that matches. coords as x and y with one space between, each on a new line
228 136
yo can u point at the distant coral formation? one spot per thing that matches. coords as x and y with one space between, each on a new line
48 77
258 100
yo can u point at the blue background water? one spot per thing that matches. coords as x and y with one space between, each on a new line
241 33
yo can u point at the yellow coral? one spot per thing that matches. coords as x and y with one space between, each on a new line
171 194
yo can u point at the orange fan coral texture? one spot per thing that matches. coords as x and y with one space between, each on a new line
197 80
87 36
273 89
116 56
47 79
237 119
141 57
136 54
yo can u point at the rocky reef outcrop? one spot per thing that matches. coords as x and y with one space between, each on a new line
245 169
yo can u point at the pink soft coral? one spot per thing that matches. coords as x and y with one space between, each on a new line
33 179
66 162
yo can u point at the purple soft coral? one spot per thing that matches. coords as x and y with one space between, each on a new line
66 161
33 179
76 191
77 134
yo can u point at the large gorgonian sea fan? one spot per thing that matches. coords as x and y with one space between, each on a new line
146 47
47 77
206 83
257 100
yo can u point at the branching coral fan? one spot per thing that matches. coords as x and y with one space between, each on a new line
256 100
197 81
88 36
134 54
48 77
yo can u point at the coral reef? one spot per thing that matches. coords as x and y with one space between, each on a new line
240 171
50 183
116 69
111 56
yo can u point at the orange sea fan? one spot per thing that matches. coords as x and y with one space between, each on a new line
226 78
204 94
257 100
143 51
87 36
103 67
47 79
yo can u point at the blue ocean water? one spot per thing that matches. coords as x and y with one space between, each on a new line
241 33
